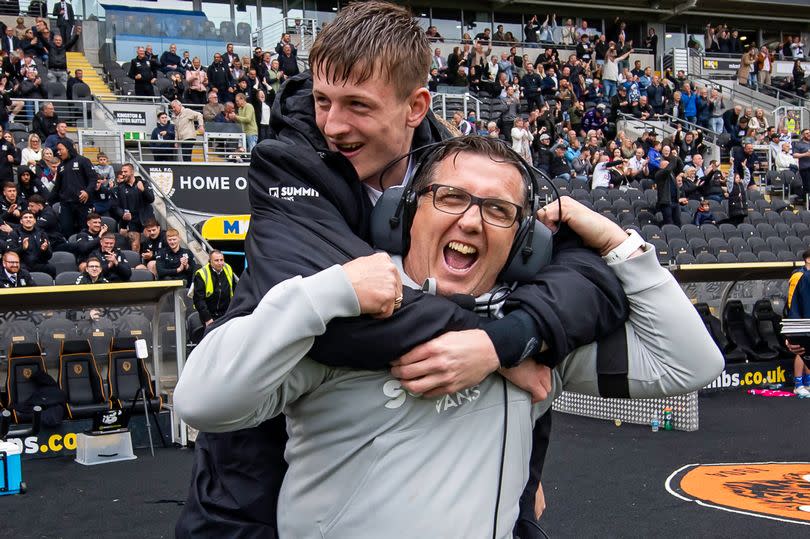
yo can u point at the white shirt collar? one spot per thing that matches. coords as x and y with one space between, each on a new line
375 194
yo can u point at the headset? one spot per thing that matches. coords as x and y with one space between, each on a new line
394 212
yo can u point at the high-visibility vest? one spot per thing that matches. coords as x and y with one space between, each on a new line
791 125
205 273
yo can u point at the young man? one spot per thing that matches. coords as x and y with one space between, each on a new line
175 262
152 242
34 247
214 284
336 130
48 222
114 265
88 240
798 303
92 273
135 200
364 444
11 205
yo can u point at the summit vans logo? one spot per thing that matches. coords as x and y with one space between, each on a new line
397 396
289 193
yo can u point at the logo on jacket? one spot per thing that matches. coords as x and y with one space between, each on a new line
772 490
398 395
289 193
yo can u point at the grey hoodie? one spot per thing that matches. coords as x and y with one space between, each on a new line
368 459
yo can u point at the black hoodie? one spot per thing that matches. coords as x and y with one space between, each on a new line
324 221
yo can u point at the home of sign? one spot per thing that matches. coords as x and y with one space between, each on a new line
216 189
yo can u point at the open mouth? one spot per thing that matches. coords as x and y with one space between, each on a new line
460 256
349 149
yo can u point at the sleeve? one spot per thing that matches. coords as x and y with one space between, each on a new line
199 299
251 383
123 270
89 175
86 245
662 350
163 269
132 72
148 195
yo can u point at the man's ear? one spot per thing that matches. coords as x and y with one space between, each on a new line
418 106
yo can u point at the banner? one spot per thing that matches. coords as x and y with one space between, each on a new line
721 64
137 117
752 375
215 189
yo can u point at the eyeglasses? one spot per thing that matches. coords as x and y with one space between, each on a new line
456 201
94 267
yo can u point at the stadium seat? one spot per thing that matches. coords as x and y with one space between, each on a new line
720 216
678 246
640 205
778 205
603 206
790 218
580 194
738 324
800 229
661 251
746 257
651 232
141 275
718 245
17 331
52 332
757 245
785 256
626 219
698 245
136 326
24 362
729 231
645 218
132 257
711 231
99 332
633 194
126 374
683 259
706 258
772 218
782 229
731 353
768 325
81 381
561 185
600 193
726 258
63 261
194 327
692 231
754 217
796 245
776 244
112 224
766 256
738 245
67 277
804 215
672 232
765 231
41 279
747 231
762 205
621 206
754 194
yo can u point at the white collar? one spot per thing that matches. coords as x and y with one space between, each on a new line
375 194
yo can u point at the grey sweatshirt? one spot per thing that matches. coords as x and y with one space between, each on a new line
368 459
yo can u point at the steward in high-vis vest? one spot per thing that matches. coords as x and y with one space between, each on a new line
214 285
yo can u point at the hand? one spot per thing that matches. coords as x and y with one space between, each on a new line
152 81
795 348
104 229
376 283
83 196
147 255
447 364
138 77
532 377
209 322
10 158
44 246
539 501
6 228
140 186
25 244
126 217
596 231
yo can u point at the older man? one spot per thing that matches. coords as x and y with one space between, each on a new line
143 71
364 444
187 125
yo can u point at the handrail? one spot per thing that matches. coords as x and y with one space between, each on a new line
757 99
168 201
802 101
667 120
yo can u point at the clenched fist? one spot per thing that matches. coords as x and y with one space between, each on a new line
376 282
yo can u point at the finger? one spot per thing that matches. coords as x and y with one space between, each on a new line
425 384
421 352
416 370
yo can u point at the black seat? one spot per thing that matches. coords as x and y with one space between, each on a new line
706 258
754 217
80 380
698 245
136 326
661 251
672 232
41 279
729 231
746 257
767 256
800 229
768 325
790 218
194 327
126 374
99 332
678 246
738 245
747 231
713 326
651 232
718 245
52 332
726 258
776 244
782 229
67 278
141 275
692 231
710 231
738 325
796 245
24 362
63 261
132 257
683 259
765 230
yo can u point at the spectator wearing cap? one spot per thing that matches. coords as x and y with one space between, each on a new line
114 265
595 119
175 262
92 273
33 245
542 150
558 166
13 276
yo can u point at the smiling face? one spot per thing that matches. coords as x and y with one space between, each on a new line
368 122
462 252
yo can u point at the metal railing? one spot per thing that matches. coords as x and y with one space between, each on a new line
210 147
74 112
439 103
111 143
302 33
665 123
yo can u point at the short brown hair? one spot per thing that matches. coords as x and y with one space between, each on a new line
373 37
172 232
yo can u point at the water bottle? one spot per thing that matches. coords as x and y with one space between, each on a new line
654 424
668 418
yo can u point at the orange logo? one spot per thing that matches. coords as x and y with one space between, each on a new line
27 373
77 368
773 490
126 365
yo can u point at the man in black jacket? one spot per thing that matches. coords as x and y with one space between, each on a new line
35 249
44 122
75 182
57 57
144 72
152 242
89 239
219 77
311 189
114 265
214 285
65 19
13 276
175 262
48 222
135 200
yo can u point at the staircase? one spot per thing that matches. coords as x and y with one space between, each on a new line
77 60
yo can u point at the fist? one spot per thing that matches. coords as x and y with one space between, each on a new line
376 283
596 231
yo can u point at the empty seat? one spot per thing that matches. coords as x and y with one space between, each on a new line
782 229
747 231
692 231
621 206
678 246
127 374
754 217
99 332
63 261
738 325
726 258
718 245
136 326
731 353
768 326
578 184
603 206
756 243
141 275
683 259
645 218
661 251
80 379
711 231
790 218
766 256
67 277
771 217
776 244
672 232
799 229
41 279
706 258
765 230
651 232
796 245
580 194
785 256
729 231
52 332
22 379
738 245
698 245
746 257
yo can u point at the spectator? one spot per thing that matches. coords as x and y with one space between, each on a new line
433 35
704 214
801 151
144 72
285 41
57 57
799 307
288 62
522 139
651 42
743 157
92 273
28 185
530 32
187 124
230 57
212 108
44 122
595 119
31 87
219 77
745 73
264 115
531 84
213 288
78 76
256 59
59 137
75 181
175 262
163 135
152 242
11 204
20 29
669 194
797 48
105 169
784 160
237 72
738 199
274 76
88 240
170 61
585 50
764 65
10 42
9 157
65 19
46 169
196 82
610 71
34 247
177 90
135 200
114 265
228 114
13 276
559 168
246 116
104 199
759 121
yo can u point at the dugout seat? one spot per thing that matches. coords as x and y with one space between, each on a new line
24 360
741 331
768 325
712 323
80 380
126 374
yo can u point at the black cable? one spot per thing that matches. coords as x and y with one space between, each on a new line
503 458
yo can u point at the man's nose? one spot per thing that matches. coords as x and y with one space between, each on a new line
335 124
470 221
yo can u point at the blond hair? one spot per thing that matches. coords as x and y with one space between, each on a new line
373 37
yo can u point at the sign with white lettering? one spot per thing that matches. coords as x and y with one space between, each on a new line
137 117
215 189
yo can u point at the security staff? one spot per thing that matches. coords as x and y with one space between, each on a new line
213 288
175 262
144 72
